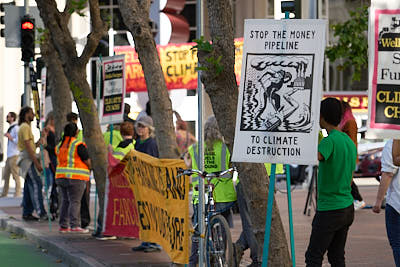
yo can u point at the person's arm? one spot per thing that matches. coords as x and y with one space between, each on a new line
386 179
396 152
84 155
32 155
188 160
320 157
88 163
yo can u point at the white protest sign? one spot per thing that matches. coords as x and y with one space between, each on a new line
280 91
112 110
384 69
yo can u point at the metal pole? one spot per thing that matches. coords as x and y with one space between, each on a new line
199 33
27 87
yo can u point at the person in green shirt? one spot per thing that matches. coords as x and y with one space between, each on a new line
335 209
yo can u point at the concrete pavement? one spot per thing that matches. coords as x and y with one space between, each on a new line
367 241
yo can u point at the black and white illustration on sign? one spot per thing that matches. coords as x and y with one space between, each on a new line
278 93
389 36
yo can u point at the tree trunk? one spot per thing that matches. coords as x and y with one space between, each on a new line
58 83
135 14
74 69
223 92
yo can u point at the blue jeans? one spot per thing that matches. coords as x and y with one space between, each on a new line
33 197
392 218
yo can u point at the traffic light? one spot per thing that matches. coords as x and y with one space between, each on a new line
27 38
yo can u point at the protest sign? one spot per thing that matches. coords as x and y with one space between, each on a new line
35 93
384 69
121 216
114 89
178 62
280 91
157 207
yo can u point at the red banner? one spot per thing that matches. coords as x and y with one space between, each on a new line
121 214
178 62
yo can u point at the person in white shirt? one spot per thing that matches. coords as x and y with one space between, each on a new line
390 185
12 156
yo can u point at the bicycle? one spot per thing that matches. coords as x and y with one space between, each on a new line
218 245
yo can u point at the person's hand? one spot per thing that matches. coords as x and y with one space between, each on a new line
376 208
8 135
38 166
110 148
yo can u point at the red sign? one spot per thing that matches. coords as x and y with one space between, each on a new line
358 101
121 213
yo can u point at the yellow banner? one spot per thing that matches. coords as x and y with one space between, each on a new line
162 202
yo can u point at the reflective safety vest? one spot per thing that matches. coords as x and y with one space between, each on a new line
70 165
116 138
120 152
215 159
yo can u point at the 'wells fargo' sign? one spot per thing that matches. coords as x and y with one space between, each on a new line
178 61
145 199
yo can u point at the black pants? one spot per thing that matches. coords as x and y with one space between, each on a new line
355 193
329 233
85 202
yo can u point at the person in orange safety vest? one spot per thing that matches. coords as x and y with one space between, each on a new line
72 173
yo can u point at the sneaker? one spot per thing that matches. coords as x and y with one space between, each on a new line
30 217
255 264
43 217
237 253
141 247
359 204
63 230
152 249
79 230
106 237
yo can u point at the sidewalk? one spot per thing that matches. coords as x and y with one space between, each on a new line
367 241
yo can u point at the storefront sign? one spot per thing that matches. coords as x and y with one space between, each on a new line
358 101
280 91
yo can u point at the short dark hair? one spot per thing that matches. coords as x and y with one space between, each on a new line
22 114
331 111
13 115
126 129
72 116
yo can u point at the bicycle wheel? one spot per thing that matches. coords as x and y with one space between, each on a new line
218 243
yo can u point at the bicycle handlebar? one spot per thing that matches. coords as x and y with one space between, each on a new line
204 174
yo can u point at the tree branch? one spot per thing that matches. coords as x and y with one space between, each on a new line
66 13
99 29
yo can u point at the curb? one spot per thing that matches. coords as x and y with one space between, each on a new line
57 247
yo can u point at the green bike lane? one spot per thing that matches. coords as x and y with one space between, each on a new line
15 251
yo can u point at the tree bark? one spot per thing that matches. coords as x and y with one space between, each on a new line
135 14
74 69
58 84
223 92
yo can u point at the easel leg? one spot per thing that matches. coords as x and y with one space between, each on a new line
271 193
289 198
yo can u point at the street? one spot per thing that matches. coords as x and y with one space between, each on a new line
17 251
367 243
